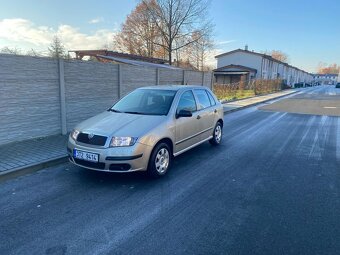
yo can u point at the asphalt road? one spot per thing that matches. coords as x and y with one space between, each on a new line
323 100
272 187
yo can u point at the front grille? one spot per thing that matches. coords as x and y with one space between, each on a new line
120 167
85 163
95 140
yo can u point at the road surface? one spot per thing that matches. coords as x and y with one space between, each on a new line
272 187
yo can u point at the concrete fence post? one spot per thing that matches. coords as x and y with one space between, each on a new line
62 97
183 78
120 80
203 78
157 76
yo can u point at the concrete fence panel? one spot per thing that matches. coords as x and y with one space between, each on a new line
29 98
193 78
41 96
90 87
168 76
135 77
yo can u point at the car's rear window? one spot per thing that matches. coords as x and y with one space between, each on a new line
212 100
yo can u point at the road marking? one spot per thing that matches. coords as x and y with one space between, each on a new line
329 107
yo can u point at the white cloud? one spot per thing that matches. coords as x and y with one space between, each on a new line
211 61
225 42
18 30
25 34
73 39
96 20
220 48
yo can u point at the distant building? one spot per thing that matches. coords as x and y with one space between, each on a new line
234 73
326 79
240 64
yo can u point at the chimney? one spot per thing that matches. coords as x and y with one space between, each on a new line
246 47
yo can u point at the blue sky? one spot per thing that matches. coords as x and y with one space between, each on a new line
307 30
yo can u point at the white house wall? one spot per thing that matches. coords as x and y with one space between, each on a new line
241 58
266 68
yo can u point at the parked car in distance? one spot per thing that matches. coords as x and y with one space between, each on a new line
299 85
146 129
337 85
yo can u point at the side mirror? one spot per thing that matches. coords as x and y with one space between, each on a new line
183 113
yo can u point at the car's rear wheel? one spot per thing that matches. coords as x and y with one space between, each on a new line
160 160
217 134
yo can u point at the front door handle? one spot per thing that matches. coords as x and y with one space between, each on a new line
198 117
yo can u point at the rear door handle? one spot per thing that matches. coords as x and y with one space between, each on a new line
198 117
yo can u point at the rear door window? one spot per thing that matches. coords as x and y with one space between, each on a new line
203 98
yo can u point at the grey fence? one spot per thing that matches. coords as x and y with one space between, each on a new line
43 96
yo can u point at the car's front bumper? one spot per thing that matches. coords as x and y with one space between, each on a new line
117 159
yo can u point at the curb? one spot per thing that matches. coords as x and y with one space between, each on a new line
257 103
16 172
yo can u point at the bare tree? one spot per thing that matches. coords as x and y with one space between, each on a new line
328 69
57 49
199 50
279 55
34 53
8 50
177 21
139 32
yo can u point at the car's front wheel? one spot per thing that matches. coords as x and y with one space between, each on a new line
217 134
160 160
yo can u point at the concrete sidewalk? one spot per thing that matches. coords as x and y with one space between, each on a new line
31 155
243 103
23 157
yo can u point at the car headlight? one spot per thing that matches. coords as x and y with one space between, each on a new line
122 141
74 134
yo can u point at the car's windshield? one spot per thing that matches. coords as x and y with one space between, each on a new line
146 101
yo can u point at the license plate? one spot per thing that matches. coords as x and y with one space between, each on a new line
84 155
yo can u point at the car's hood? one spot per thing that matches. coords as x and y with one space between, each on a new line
120 124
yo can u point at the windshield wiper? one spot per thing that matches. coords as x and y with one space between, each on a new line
141 113
113 110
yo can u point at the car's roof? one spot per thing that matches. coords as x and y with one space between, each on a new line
173 87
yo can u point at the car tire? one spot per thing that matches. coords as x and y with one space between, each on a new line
217 134
160 160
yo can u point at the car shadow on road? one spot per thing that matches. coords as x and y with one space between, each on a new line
181 166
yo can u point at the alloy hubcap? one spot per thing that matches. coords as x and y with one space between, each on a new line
162 160
218 133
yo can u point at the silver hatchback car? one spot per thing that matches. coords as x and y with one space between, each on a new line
147 128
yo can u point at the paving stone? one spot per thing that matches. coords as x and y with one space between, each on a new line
19 154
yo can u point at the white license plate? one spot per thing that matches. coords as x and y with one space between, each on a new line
88 156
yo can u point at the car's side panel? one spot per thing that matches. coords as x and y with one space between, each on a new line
206 115
207 122
192 146
187 129
187 132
